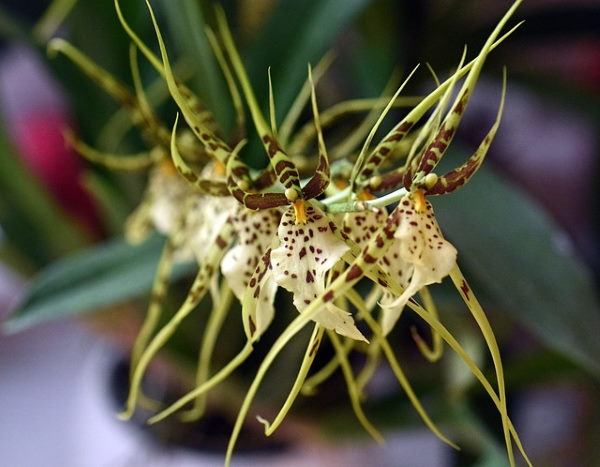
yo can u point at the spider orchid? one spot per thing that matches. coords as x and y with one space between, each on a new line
269 230
192 211
306 246
411 243
248 266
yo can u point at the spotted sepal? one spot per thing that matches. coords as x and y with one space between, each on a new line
237 170
193 102
360 263
458 177
361 226
366 166
320 180
426 135
306 252
389 180
201 184
436 149
265 179
186 102
284 168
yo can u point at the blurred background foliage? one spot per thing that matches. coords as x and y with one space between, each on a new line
526 227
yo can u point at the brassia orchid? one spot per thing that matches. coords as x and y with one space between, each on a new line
289 227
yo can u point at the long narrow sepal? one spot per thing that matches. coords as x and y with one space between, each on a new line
434 137
240 116
320 180
309 356
290 120
201 185
338 287
356 300
157 297
367 164
103 78
238 178
352 387
458 177
213 145
398 133
153 128
193 102
488 334
437 148
285 169
207 347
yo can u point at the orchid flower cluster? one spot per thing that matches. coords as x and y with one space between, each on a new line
358 215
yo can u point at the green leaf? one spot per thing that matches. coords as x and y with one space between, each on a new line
98 277
525 263
297 33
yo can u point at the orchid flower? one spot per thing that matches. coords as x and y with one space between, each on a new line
252 233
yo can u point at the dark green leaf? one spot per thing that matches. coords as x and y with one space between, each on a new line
525 263
95 278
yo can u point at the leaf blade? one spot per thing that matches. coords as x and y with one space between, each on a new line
93 279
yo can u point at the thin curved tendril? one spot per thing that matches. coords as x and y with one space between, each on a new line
356 300
453 343
157 295
434 353
209 338
353 390
197 292
478 314
307 361
302 98
363 152
217 378
311 384
153 59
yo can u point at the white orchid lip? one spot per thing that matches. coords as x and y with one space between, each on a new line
307 251
419 251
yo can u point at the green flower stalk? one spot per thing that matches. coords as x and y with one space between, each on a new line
288 226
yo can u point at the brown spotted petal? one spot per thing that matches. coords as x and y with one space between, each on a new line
255 232
305 254
360 226
421 246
